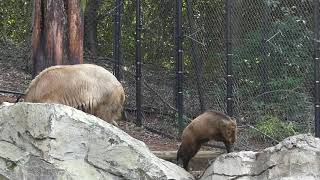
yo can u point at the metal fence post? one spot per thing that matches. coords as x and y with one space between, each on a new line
117 35
138 63
228 55
316 68
179 62
264 49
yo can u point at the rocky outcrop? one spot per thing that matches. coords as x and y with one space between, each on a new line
295 158
47 141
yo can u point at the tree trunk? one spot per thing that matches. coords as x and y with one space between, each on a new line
51 36
90 24
37 43
54 32
75 32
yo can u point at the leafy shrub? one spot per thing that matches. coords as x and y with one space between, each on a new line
275 128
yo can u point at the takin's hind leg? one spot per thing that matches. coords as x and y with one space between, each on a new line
105 113
229 147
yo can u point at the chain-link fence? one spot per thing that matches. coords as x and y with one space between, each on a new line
271 56
272 65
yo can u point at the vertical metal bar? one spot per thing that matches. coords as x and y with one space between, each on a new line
316 67
197 59
138 63
179 62
117 35
228 55
264 49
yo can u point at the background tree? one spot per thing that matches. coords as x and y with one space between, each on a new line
57 36
75 31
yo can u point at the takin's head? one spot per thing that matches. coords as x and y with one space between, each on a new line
230 134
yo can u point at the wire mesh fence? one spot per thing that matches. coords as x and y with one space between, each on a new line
158 68
272 65
271 55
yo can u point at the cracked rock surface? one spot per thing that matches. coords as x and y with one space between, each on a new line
295 158
50 141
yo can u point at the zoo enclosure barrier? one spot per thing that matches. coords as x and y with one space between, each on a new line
257 62
254 59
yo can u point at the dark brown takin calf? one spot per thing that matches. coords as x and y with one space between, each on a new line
211 125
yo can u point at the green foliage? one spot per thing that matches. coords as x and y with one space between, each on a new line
105 28
15 20
83 4
288 67
276 128
289 59
11 165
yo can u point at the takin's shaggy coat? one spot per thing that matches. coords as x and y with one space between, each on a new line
87 87
210 125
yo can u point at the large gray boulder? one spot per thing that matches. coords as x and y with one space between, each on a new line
50 141
295 158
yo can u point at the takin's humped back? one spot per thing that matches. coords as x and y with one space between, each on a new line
87 87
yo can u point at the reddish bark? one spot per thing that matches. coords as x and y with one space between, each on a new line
75 32
50 43
54 32
37 54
